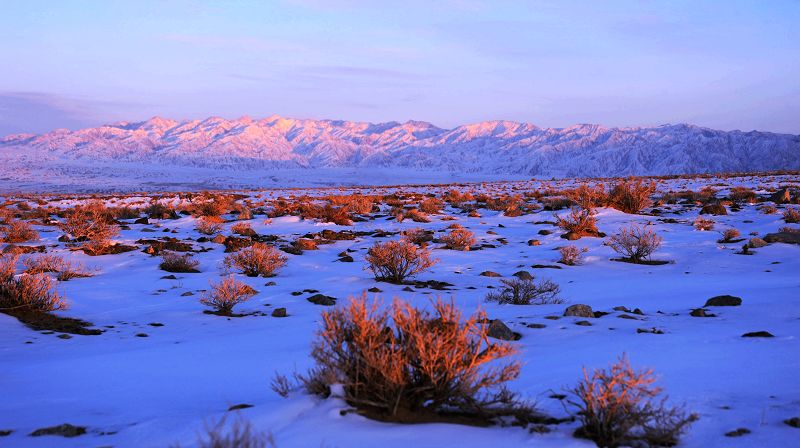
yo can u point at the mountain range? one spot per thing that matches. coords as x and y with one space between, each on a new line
491 147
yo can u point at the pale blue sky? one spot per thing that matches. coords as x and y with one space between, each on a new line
723 64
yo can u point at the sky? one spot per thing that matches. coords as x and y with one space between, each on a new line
723 64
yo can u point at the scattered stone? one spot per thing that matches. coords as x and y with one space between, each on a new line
534 243
65 430
536 325
306 244
783 237
169 277
583 323
279 312
499 330
579 310
219 239
794 422
321 299
408 289
756 242
292 250
627 316
234 243
187 293
737 433
156 324
346 259
552 317
758 334
270 284
5 432
782 196
724 300
142 335
490 274
700 312
545 266
523 275
375 289
64 336
653 330
545 232
142 221
236 407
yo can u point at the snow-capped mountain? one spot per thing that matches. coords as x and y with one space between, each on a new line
492 147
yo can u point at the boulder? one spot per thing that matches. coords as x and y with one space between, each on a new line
321 299
499 330
783 237
579 310
724 300
713 209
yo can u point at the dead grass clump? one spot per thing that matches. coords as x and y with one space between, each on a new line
226 294
407 364
588 197
730 235
125 212
175 262
456 198
791 215
703 224
768 209
213 204
416 215
258 259
243 228
459 239
743 194
158 210
18 232
64 269
209 225
556 203
26 292
431 206
619 407
393 261
631 196
239 434
92 223
578 222
527 292
635 243
418 236
571 255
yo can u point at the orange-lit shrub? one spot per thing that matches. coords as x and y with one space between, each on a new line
258 259
704 224
226 294
393 261
18 232
579 222
631 196
588 197
635 243
459 239
175 262
571 255
92 223
791 215
209 225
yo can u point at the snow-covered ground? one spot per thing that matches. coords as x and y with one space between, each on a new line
159 390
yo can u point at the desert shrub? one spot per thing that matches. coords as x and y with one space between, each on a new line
393 261
579 221
33 292
416 215
768 209
631 196
571 255
791 215
244 214
703 224
258 259
175 262
418 236
518 291
556 203
64 269
125 212
456 198
226 294
92 223
209 225
619 407
243 228
743 194
587 197
459 239
355 203
729 235
157 210
19 232
213 204
635 243
407 363
431 205
239 434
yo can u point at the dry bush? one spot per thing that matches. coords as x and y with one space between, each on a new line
743 194
518 291
157 210
243 228
175 262
791 215
631 196
405 363
31 292
618 407
459 239
355 203
213 204
239 434
635 243
64 269
393 261
416 215
209 225
244 214
19 232
418 236
92 223
431 205
555 203
768 209
328 213
125 212
588 197
729 235
571 255
703 224
579 221
258 259
226 294
456 198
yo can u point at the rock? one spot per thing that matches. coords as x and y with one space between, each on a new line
579 310
375 289
713 209
279 312
523 275
627 316
490 274
337 236
233 243
142 335
571 236
237 407
142 221
545 232
13 248
737 433
758 334
169 277
534 243
653 330
536 325
724 300
306 244
219 239
187 293
346 259
700 312
756 242
499 330
583 323
5 432
408 289
291 250
782 196
65 430
794 422
321 299
783 237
